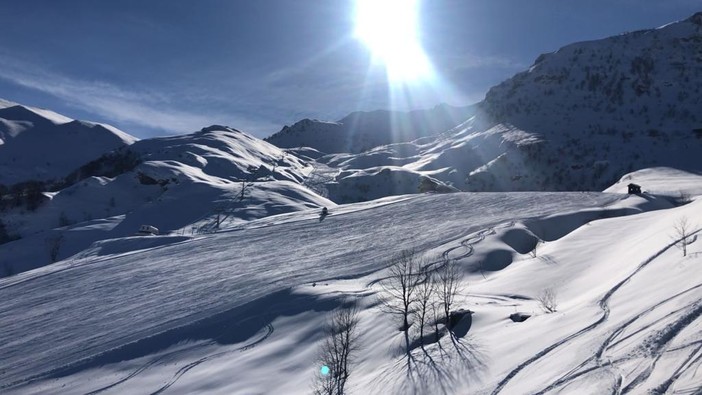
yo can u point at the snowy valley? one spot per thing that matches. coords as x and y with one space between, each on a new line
563 281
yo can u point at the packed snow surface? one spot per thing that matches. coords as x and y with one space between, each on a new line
237 312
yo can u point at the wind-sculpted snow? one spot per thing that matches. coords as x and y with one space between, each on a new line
67 313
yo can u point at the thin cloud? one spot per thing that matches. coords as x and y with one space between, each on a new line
471 61
131 107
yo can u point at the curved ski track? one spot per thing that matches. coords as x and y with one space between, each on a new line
187 367
604 305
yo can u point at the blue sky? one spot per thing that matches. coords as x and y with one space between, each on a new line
157 67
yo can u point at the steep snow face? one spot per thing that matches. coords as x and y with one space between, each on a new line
40 145
603 108
361 131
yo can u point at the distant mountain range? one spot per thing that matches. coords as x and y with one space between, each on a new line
578 119
42 145
361 131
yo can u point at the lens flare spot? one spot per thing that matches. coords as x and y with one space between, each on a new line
389 29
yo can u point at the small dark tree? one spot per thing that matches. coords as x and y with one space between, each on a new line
63 220
448 283
53 244
318 179
425 295
33 194
247 182
5 235
4 190
534 251
6 270
682 230
400 286
548 300
338 352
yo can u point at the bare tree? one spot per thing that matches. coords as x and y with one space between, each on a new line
425 295
53 244
548 300
221 214
448 285
247 182
400 286
682 234
337 353
534 252
318 179
436 313
683 198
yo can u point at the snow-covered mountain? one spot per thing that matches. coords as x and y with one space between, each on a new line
38 144
360 131
598 109
235 293
577 119
217 177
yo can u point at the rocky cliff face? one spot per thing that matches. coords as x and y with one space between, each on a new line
602 108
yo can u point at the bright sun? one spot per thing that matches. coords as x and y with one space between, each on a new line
389 29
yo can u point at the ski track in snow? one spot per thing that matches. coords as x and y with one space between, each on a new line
228 269
604 305
269 331
467 244
579 370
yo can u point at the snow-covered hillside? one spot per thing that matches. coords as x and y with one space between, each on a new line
243 311
218 177
360 131
38 144
578 119
602 108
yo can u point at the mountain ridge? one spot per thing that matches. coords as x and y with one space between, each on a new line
362 130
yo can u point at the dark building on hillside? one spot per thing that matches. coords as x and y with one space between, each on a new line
634 189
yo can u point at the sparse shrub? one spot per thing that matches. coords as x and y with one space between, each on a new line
683 198
6 270
337 353
53 244
448 284
682 235
426 291
400 286
548 300
5 236
63 220
534 252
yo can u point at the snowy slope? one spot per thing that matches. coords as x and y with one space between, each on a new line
578 119
38 144
239 312
360 131
183 184
604 108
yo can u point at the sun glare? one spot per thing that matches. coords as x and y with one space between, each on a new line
389 29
